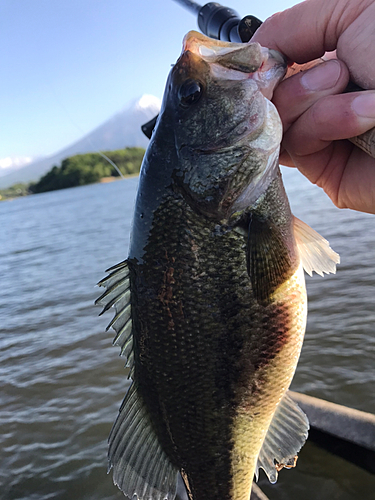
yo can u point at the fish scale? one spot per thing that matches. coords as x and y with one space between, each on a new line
211 303
217 351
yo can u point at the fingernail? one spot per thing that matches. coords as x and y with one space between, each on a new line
322 77
364 105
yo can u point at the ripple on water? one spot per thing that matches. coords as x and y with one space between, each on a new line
63 382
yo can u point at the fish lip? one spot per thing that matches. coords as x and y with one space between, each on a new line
238 61
194 40
217 52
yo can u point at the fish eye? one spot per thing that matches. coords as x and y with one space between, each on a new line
190 92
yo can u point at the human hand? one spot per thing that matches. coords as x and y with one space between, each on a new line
316 116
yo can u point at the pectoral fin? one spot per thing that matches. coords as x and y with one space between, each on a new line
140 466
268 258
285 437
315 252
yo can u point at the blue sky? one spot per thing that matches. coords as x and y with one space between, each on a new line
68 65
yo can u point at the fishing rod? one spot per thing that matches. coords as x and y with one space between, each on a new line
224 23
219 22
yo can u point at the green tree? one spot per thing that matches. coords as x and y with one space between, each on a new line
89 168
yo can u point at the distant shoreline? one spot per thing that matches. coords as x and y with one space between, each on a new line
103 180
81 170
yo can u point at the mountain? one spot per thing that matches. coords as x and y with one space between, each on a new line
12 163
121 131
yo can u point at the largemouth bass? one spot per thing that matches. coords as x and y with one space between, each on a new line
211 303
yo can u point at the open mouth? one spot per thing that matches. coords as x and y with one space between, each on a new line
239 61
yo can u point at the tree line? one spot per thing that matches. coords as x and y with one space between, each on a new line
88 168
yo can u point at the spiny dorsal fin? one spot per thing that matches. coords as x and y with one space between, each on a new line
315 252
140 466
117 294
285 437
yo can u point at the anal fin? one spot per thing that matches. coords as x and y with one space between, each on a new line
140 465
285 437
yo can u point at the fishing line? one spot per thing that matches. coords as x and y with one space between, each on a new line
109 161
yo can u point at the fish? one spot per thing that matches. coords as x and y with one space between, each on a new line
210 305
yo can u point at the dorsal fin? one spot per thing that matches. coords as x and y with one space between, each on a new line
117 294
285 437
315 252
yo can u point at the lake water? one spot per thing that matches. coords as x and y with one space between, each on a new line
62 381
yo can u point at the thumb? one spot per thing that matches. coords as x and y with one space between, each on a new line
309 29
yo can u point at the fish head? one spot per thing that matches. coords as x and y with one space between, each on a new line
224 127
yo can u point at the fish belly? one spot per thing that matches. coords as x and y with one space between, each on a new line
253 418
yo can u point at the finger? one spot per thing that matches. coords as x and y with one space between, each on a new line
308 29
285 159
298 93
298 32
346 174
356 188
330 119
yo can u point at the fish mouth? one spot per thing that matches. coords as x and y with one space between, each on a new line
239 61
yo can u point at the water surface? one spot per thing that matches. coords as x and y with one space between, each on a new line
62 381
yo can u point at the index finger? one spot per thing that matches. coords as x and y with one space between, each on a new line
309 29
